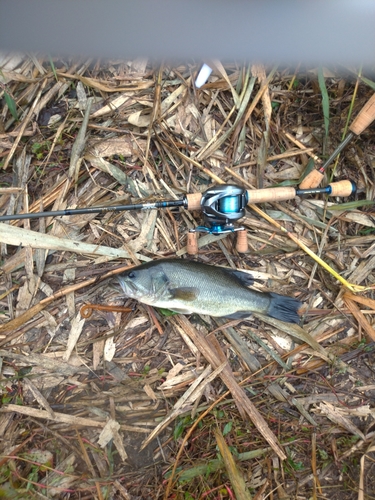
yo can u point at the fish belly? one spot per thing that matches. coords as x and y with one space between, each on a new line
220 304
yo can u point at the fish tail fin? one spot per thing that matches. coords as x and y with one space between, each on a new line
284 308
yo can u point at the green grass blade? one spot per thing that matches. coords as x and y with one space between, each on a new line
370 83
11 105
53 67
325 99
351 205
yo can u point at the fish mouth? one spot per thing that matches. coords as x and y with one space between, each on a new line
132 291
128 287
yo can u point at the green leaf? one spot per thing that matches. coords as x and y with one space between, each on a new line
11 105
323 454
23 372
179 429
227 428
295 465
166 312
325 99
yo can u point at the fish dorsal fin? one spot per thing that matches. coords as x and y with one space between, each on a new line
184 293
245 278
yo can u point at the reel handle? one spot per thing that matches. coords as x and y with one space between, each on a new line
242 245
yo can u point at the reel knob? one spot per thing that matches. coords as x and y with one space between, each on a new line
241 243
192 243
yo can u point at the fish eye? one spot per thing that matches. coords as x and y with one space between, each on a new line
131 275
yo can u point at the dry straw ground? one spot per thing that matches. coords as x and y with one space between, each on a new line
145 405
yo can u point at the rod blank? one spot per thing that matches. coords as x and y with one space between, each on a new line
95 210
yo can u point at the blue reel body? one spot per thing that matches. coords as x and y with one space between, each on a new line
221 206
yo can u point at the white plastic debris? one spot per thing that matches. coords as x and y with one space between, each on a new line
203 76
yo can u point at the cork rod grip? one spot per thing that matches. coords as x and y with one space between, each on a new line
194 201
271 194
364 117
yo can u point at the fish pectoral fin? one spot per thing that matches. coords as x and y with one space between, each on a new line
238 315
245 278
184 293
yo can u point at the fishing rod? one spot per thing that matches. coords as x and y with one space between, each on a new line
221 206
364 118
224 200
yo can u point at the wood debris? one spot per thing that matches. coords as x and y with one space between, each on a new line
134 405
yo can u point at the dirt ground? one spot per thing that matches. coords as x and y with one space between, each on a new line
142 403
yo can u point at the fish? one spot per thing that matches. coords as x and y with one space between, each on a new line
186 287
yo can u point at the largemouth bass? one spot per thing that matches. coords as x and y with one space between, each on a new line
186 287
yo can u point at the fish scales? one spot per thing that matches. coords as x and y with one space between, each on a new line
186 286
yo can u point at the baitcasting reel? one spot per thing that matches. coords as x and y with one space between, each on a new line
221 206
